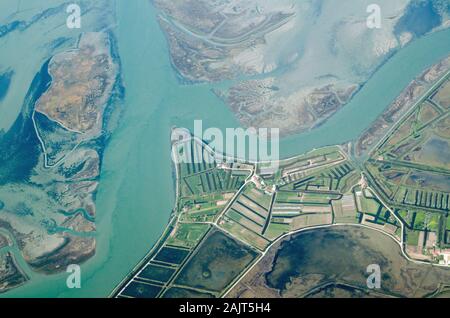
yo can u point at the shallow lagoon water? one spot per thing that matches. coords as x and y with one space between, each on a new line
136 192
5 81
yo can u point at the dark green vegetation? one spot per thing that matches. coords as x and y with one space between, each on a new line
308 262
176 292
141 290
210 268
157 273
171 255
200 175
327 250
216 263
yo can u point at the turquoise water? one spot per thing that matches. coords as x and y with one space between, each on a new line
136 192
5 80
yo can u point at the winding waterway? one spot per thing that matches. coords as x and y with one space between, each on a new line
136 192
